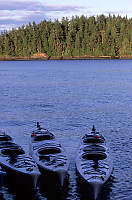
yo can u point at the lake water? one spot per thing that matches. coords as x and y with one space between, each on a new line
68 97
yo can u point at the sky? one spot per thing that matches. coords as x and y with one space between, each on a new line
15 13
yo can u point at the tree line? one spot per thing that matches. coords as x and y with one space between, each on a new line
79 36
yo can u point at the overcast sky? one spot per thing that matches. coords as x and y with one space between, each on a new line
15 13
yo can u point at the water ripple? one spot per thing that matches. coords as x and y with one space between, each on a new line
68 97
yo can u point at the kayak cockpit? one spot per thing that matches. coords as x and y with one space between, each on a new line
43 137
11 152
94 156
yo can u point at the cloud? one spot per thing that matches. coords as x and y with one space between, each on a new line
17 13
17 5
35 5
119 12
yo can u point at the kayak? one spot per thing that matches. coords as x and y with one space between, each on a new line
16 163
49 155
94 161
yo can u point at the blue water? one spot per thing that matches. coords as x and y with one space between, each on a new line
68 97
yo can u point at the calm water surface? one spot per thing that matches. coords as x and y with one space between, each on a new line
68 97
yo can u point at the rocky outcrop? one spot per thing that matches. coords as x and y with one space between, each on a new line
40 56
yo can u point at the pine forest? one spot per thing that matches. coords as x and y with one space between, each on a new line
79 36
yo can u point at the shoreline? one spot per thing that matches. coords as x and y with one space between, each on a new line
87 57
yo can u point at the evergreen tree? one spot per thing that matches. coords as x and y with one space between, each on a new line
100 36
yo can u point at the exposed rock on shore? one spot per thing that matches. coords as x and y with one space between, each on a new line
44 56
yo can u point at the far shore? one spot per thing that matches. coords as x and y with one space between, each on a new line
40 57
